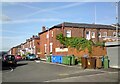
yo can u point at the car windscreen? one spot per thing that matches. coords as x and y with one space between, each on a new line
32 55
10 57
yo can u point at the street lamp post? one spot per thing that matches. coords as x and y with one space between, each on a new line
116 19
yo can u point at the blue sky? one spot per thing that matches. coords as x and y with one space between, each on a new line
22 20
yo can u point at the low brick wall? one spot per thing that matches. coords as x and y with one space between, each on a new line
96 51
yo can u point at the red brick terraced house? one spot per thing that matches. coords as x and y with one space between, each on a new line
34 45
15 50
22 50
50 46
31 45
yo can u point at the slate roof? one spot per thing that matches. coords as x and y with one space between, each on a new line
84 25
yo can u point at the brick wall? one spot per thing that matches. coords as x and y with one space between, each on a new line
14 51
75 32
96 51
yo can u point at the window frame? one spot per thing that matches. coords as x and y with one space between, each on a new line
93 34
68 33
104 34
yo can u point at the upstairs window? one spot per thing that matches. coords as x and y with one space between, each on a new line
47 36
68 33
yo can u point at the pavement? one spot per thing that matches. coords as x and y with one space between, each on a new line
40 71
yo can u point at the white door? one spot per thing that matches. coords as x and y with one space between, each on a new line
88 35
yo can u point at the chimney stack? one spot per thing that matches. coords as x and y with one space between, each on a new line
43 29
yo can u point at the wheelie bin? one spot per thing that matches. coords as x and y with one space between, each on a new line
98 62
72 60
106 62
91 63
48 59
84 62
63 60
68 60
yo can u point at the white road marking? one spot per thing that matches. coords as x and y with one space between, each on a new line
11 69
60 64
78 76
37 61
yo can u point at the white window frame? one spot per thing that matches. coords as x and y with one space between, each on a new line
68 33
47 36
88 38
104 34
51 46
93 34
45 47
33 43
114 34
52 33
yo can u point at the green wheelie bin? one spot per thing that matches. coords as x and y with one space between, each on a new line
106 62
68 60
48 59
72 60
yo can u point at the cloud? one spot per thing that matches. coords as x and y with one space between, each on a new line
59 0
20 4
10 37
28 6
55 8
4 18
15 32
30 20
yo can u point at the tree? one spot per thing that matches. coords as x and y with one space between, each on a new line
75 42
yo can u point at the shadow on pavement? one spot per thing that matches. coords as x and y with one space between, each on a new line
8 67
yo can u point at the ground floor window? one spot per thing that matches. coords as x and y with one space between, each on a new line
104 34
88 35
93 34
114 33
51 45
45 48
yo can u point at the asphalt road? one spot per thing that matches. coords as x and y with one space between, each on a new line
31 71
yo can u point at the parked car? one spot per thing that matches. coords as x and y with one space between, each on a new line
9 60
31 57
18 57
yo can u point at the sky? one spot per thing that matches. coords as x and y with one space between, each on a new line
21 20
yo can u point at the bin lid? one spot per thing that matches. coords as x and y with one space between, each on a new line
106 57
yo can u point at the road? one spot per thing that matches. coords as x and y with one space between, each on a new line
32 71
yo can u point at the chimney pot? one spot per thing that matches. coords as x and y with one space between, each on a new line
43 29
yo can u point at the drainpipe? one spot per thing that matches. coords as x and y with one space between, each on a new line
98 35
63 31
63 28
83 33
